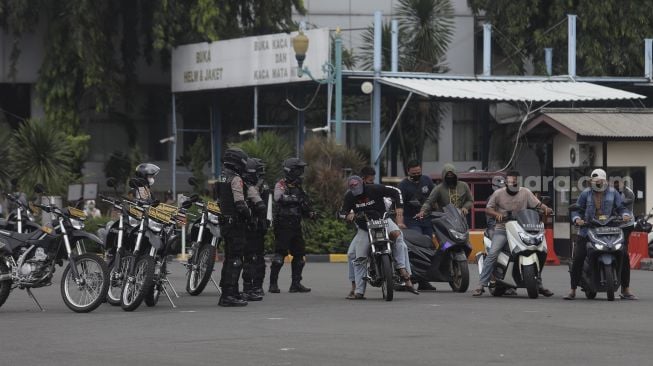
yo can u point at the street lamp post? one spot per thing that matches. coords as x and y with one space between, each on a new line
334 74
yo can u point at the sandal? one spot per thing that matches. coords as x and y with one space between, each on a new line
545 292
356 297
628 297
478 292
570 296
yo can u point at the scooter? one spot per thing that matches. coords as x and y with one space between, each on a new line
444 257
522 259
605 256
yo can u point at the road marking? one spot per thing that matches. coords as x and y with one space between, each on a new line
434 305
286 349
276 318
530 311
188 311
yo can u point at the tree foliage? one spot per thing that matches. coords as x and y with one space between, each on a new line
425 31
272 149
610 33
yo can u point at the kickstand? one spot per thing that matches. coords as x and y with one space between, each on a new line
216 285
165 291
172 288
29 292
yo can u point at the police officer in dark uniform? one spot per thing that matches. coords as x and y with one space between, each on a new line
291 203
236 214
254 262
147 172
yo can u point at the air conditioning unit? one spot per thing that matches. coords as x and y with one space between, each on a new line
581 154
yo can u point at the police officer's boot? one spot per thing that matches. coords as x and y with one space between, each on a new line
275 267
230 296
297 265
258 275
248 284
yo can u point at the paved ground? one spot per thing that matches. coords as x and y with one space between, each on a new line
322 328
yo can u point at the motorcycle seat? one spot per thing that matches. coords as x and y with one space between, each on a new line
417 238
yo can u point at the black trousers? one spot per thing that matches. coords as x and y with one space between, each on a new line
235 241
254 261
625 269
288 238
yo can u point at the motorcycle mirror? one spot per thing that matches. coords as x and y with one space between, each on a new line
39 188
155 203
194 198
187 204
192 181
112 182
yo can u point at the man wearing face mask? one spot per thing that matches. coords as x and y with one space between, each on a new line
628 199
597 200
511 198
146 171
414 190
451 190
369 198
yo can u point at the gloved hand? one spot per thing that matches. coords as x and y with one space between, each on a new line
261 210
243 210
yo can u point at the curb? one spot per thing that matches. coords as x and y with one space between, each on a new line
312 258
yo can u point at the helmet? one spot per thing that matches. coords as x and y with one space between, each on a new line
235 159
147 169
260 167
293 169
249 175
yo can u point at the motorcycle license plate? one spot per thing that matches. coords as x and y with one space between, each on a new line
607 231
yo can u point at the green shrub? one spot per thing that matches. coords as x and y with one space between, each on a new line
91 225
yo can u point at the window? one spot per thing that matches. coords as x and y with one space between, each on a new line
466 132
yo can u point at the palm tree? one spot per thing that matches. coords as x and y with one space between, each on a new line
425 31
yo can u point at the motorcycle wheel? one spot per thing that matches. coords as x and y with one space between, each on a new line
387 285
609 281
5 286
530 279
152 297
89 291
590 294
133 291
460 276
200 273
117 275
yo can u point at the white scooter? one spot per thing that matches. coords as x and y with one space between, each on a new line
521 260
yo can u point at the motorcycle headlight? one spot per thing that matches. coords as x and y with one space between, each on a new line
618 246
458 235
154 226
531 239
77 224
599 246
379 235
213 218
132 222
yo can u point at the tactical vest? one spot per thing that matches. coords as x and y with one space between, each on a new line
292 209
226 196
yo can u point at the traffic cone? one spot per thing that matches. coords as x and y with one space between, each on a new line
551 256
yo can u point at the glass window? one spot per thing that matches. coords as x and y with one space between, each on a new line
466 141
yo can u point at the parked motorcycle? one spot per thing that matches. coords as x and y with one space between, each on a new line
520 263
204 236
119 248
28 260
380 263
605 255
147 264
444 257
643 224
21 219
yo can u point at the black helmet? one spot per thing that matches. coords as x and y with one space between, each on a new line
249 175
260 167
235 159
145 170
293 169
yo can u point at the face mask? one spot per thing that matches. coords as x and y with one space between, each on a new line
150 181
597 187
512 189
415 177
356 187
451 181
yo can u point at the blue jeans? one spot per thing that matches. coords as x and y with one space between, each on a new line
499 240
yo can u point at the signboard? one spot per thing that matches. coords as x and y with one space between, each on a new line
250 61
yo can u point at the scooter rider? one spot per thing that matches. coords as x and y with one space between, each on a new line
235 215
512 198
370 197
599 199
254 263
291 203
451 190
146 171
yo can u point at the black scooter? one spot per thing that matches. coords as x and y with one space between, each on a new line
445 258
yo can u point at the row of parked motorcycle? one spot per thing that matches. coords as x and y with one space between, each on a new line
137 245
136 248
